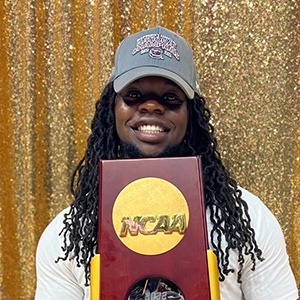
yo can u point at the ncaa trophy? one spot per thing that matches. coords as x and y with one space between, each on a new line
153 241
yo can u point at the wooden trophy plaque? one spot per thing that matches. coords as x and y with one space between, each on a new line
152 224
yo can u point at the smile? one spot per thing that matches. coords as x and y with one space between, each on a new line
152 129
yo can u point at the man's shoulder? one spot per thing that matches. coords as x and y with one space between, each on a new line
51 240
57 223
249 197
256 207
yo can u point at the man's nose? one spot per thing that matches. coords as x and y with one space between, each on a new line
151 106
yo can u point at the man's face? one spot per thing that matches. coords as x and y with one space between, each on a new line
151 114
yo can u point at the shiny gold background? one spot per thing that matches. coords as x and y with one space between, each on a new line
56 57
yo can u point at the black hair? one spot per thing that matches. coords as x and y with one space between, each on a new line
228 211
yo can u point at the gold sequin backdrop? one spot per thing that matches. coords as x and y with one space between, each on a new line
56 57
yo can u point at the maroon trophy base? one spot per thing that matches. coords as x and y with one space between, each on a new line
186 264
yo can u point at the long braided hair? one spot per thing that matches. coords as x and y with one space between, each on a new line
228 211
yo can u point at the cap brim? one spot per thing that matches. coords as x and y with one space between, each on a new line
123 80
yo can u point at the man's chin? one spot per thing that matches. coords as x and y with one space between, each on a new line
128 150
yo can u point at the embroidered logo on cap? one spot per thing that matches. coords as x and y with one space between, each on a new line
156 45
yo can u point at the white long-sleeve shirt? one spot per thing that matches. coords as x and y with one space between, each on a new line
271 280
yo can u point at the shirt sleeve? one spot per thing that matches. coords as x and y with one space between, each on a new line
57 281
272 278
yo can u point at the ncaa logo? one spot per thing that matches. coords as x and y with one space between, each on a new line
150 216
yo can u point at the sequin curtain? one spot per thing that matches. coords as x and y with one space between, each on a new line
56 57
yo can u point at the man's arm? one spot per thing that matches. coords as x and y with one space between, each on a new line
57 281
272 278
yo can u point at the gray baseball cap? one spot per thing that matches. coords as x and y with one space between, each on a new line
155 52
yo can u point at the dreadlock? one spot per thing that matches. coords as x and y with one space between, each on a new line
228 211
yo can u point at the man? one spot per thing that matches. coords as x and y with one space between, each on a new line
152 107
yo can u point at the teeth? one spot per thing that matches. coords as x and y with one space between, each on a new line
150 129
